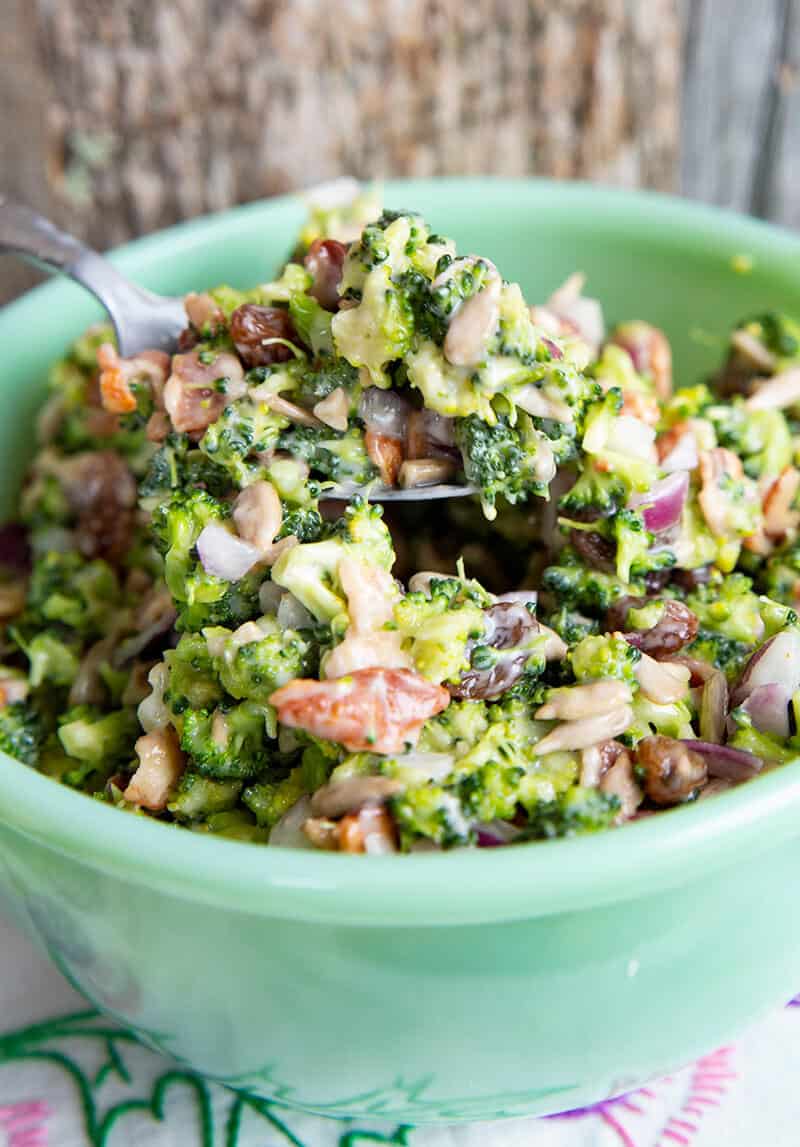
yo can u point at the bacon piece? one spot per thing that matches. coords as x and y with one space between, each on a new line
715 466
192 395
371 595
780 520
203 313
149 368
370 710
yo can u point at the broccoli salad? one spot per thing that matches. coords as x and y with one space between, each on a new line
194 630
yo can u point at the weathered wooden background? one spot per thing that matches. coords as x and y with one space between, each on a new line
121 116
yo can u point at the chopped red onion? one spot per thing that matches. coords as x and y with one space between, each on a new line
662 505
384 412
495 833
224 555
292 614
768 707
777 660
726 762
554 349
439 429
288 832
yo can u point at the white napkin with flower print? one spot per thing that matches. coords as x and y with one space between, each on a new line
69 1078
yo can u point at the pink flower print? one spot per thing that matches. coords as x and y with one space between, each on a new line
710 1080
24 1123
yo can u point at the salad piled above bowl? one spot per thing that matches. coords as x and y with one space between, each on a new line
193 630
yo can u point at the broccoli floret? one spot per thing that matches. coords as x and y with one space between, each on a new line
780 574
68 589
22 731
761 438
95 738
433 812
492 791
687 402
586 590
305 524
44 504
316 762
379 330
193 681
201 598
243 429
178 465
51 659
724 653
634 557
595 495
312 323
577 811
200 797
229 744
310 571
235 824
269 800
571 625
362 526
775 615
456 730
502 460
670 720
257 668
340 457
433 306
437 629
329 374
239 603
728 606
604 656
615 365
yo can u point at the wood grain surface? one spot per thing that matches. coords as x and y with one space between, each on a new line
122 116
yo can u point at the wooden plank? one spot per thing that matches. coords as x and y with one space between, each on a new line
22 129
779 187
731 52
166 110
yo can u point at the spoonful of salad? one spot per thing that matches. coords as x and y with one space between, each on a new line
382 361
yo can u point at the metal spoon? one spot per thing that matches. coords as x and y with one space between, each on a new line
142 320
146 321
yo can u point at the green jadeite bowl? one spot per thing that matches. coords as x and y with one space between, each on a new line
466 985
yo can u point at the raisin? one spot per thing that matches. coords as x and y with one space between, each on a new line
324 260
672 772
598 552
676 628
252 329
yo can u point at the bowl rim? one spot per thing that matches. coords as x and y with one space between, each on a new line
463 886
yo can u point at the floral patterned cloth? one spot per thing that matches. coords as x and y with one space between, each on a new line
69 1078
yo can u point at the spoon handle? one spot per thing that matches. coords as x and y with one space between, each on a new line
23 232
141 319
